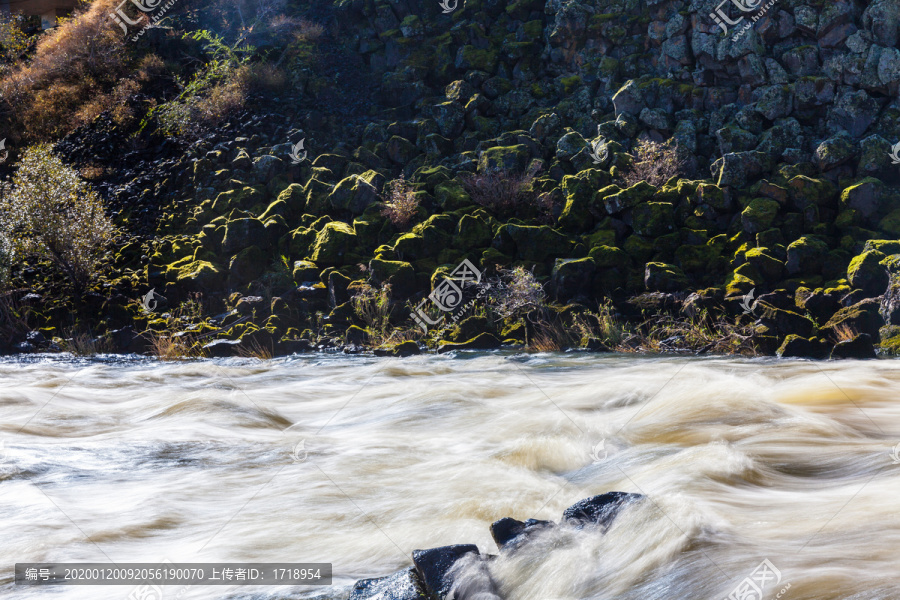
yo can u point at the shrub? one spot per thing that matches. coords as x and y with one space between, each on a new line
402 203
516 292
72 65
654 163
499 190
13 40
219 87
51 213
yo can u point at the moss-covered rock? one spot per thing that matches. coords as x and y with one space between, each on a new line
450 196
769 267
355 193
398 274
336 244
862 317
890 223
504 158
245 232
532 242
796 346
247 265
295 199
579 190
653 219
472 232
304 272
200 276
636 194
865 196
662 277
806 255
482 341
867 273
572 277
805 191
244 199
759 215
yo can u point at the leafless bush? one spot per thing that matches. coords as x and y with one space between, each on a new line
516 292
401 204
654 162
498 190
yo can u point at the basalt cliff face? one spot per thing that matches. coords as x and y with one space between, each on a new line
516 129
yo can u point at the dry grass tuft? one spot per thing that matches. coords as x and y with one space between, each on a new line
654 162
844 332
499 190
401 204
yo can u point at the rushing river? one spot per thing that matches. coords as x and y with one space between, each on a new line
358 461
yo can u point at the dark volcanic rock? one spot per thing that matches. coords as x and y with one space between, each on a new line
600 510
860 346
222 348
482 341
795 346
433 567
509 533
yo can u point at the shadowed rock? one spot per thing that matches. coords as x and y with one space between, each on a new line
434 565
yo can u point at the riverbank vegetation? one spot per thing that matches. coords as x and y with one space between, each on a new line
255 178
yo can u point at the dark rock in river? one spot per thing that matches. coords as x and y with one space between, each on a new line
222 348
509 533
860 346
600 510
434 566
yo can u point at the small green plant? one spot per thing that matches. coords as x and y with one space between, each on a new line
373 307
49 212
216 89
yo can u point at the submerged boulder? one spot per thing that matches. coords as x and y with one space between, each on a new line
403 585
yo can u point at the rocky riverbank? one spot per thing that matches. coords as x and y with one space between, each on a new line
764 219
